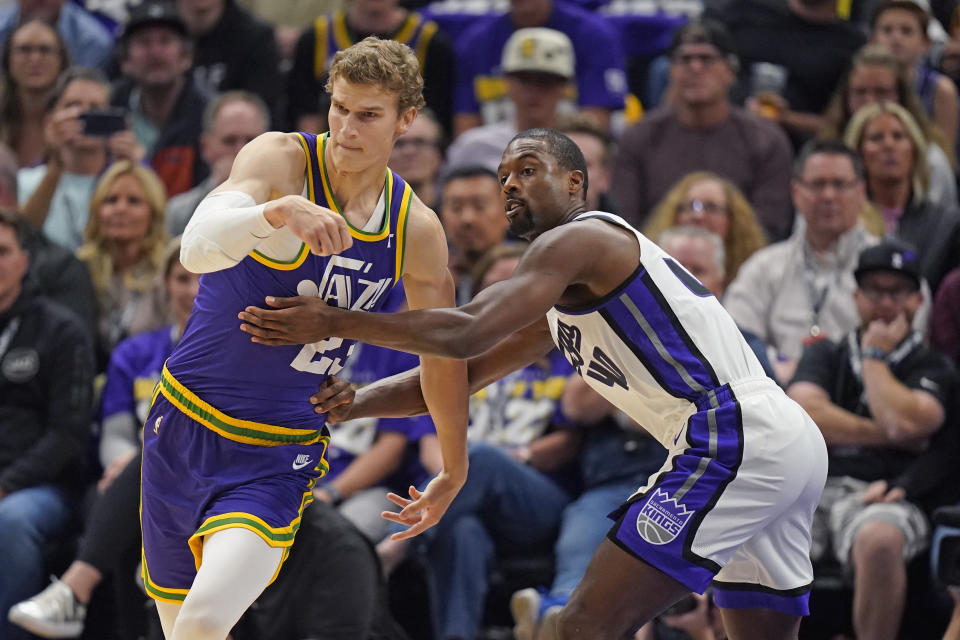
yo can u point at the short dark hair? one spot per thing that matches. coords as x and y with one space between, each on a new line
10 219
706 31
562 148
829 146
918 12
470 171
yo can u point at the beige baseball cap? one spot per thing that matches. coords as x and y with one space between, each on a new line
540 50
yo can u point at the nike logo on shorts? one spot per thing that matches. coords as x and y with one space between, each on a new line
301 461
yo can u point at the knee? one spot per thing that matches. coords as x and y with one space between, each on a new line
17 528
878 544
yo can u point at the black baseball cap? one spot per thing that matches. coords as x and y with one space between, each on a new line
151 13
704 31
892 254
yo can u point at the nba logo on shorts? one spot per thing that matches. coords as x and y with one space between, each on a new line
661 519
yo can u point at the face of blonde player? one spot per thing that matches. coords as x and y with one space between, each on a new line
364 124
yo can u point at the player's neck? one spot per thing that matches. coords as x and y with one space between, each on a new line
356 192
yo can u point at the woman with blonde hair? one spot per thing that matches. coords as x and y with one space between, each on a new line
704 199
123 247
893 150
877 76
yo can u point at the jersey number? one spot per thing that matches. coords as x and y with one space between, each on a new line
325 365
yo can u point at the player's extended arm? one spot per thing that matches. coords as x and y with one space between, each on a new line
556 260
399 396
443 382
260 196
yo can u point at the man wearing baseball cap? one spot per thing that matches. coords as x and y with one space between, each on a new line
166 110
699 129
878 396
538 64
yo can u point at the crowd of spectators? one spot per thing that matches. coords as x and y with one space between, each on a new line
798 157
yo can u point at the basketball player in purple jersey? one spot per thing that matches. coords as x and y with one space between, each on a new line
232 446
733 503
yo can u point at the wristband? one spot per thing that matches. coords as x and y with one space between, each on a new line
874 352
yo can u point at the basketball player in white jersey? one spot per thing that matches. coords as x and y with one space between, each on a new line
733 503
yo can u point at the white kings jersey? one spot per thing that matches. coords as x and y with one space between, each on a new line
657 346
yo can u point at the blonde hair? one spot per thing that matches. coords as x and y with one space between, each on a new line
387 64
745 235
853 138
837 115
95 252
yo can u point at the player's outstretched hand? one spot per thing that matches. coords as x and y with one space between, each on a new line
300 320
426 508
334 398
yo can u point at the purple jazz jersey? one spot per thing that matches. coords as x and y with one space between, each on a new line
232 439
205 483
253 382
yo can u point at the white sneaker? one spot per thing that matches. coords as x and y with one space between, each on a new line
52 613
548 625
525 607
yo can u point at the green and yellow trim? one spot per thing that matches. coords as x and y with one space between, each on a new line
290 265
163 594
281 537
405 201
245 431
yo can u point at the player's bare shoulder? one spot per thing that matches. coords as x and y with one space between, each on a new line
269 166
426 244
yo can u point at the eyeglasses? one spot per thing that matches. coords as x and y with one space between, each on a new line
687 59
820 186
700 206
416 144
896 294
43 50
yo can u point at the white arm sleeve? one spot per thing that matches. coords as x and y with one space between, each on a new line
225 227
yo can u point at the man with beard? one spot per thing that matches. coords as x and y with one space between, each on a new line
700 130
733 503
165 107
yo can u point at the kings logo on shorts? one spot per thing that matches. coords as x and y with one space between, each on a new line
661 518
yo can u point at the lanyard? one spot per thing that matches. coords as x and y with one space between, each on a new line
816 295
